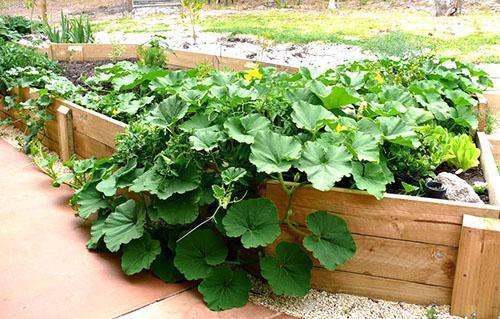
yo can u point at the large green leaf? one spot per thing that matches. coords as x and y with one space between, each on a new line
310 116
440 109
96 233
465 116
111 184
124 224
333 97
255 220
168 111
225 288
365 146
397 131
370 177
331 242
163 268
206 139
139 254
325 166
179 209
232 174
196 254
274 153
187 179
289 272
244 129
90 201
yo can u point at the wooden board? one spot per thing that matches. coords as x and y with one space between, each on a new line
476 289
394 259
395 216
493 98
93 124
380 288
489 168
177 58
93 133
495 147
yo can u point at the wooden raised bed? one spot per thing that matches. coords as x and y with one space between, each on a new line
87 134
409 247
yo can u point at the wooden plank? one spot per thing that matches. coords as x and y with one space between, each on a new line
100 51
51 144
489 168
186 59
395 216
482 109
395 259
87 147
96 125
67 52
476 291
380 288
65 132
493 98
495 147
50 130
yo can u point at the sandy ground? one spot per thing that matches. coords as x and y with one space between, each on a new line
313 54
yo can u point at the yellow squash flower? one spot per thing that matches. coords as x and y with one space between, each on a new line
253 74
379 78
339 128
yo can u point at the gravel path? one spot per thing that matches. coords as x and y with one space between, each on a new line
325 305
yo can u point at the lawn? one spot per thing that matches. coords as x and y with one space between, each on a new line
472 37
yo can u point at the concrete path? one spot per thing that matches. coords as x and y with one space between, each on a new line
46 271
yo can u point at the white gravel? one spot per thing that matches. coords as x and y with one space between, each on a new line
325 305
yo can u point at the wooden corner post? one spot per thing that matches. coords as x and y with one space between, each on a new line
65 132
476 289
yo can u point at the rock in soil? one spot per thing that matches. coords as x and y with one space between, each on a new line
458 189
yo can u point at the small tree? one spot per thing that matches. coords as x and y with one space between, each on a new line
43 10
191 10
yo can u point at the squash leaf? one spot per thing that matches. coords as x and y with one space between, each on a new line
289 272
225 288
196 254
255 220
331 242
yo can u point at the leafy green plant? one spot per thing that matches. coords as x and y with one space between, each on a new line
463 153
180 195
70 30
153 55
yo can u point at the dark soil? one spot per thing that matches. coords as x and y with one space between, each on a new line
77 72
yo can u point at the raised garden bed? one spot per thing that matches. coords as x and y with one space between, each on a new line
407 245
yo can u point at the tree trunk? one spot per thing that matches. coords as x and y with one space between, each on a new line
448 7
129 5
43 10
332 5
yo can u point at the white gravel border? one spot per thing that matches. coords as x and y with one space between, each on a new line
326 305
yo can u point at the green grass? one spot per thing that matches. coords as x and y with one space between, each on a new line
470 37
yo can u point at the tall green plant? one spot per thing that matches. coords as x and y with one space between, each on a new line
70 30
